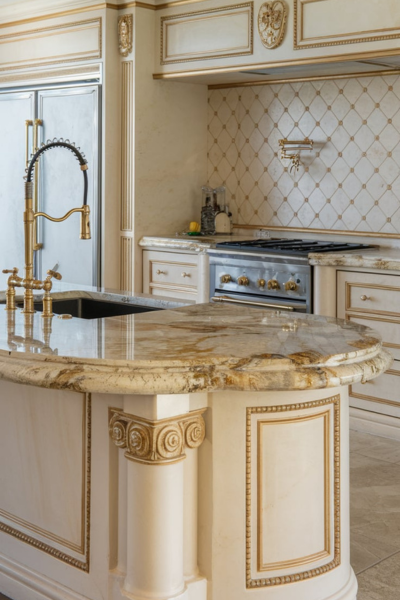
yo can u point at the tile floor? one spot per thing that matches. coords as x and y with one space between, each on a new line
375 516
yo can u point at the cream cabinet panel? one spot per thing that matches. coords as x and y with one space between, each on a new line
373 300
332 22
78 40
175 275
207 34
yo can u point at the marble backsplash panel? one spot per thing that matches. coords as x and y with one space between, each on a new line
350 181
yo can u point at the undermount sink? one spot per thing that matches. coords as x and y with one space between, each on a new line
88 308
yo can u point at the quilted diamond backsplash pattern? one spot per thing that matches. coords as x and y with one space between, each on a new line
350 181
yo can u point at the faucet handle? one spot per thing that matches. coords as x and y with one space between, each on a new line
13 271
54 274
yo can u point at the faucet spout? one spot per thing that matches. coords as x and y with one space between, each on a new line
29 283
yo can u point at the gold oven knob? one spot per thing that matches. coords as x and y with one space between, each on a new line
291 286
243 280
261 283
226 279
273 284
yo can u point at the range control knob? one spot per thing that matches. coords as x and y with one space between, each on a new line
243 280
273 284
261 283
291 286
226 279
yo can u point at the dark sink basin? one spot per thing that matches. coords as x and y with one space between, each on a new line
88 308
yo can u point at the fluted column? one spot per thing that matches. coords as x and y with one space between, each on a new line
156 535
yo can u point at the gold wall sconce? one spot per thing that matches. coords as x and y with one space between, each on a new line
290 150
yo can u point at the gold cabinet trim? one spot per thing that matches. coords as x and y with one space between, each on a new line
127 161
301 42
175 287
167 22
335 562
84 547
325 552
353 394
348 307
314 230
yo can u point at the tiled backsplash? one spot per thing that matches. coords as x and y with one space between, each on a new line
350 181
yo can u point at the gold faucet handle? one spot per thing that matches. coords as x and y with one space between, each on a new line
13 271
54 274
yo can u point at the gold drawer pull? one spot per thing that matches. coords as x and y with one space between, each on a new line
161 272
185 274
364 298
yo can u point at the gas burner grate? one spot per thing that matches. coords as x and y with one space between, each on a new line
293 247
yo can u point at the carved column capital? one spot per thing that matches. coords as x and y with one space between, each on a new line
156 442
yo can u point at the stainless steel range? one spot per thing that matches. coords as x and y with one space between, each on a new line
268 273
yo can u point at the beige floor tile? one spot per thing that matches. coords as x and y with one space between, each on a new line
367 471
375 446
381 582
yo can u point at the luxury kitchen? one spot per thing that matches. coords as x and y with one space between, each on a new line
199 290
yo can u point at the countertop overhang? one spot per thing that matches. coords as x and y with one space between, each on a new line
197 348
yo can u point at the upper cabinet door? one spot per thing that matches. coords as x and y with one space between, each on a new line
15 110
71 114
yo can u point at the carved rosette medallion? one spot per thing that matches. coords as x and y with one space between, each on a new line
156 442
272 23
125 28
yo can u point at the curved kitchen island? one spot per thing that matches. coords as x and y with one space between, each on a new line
199 453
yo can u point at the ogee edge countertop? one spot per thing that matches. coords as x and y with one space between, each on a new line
202 347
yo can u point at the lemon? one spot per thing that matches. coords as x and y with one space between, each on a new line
194 226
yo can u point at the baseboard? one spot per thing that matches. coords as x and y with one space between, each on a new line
374 423
20 583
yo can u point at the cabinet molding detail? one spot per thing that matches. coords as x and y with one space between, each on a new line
125 28
126 264
272 23
84 547
126 149
214 33
46 46
261 569
319 23
156 442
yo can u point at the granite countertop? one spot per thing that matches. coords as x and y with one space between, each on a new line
187 242
376 258
197 348
382 259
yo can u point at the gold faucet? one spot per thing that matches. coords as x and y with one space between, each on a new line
29 283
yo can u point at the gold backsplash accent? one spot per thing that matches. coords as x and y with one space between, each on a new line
350 181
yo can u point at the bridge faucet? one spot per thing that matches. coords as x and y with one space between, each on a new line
29 283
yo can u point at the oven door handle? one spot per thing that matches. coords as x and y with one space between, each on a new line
249 303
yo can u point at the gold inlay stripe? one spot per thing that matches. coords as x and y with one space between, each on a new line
314 230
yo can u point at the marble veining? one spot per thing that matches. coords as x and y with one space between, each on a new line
382 259
195 348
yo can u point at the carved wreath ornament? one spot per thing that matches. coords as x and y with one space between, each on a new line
272 23
156 442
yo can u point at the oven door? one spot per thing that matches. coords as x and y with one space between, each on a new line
260 302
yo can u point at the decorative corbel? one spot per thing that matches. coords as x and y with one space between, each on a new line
125 30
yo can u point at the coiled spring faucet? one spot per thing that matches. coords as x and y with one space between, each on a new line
29 283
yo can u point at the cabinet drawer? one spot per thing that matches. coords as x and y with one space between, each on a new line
176 273
170 274
383 390
370 293
389 330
